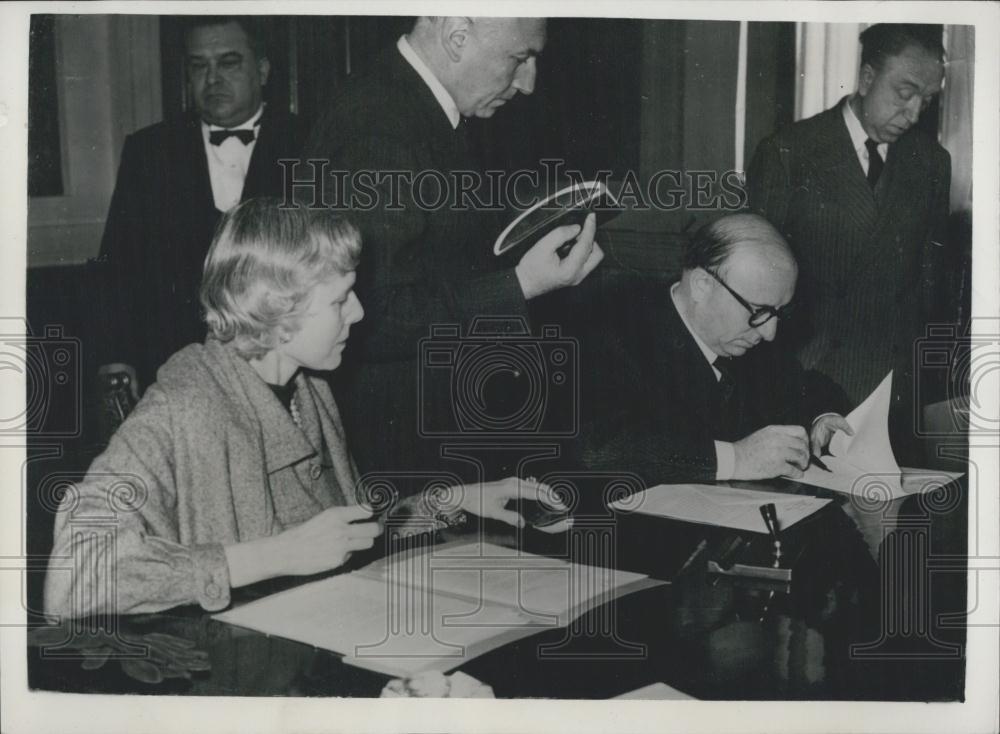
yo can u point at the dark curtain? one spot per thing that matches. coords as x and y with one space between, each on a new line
44 148
585 109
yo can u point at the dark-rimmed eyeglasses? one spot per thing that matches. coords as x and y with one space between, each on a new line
759 315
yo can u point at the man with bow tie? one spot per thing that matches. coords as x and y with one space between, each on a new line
695 389
176 179
861 193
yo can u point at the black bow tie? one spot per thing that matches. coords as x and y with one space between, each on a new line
217 137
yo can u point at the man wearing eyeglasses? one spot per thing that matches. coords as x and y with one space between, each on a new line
861 193
697 391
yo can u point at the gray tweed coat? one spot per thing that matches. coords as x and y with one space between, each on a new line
208 458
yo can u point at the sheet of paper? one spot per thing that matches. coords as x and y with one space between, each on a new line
869 449
724 506
432 612
864 464
547 591
399 634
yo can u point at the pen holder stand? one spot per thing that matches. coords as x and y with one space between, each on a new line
748 571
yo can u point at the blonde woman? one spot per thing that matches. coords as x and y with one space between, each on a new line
234 466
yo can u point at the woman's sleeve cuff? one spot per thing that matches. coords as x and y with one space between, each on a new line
211 576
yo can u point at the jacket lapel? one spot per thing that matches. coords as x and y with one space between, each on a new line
264 156
900 182
284 443
280 442
324 410
197 189
186 215
680 362
901 178
836 162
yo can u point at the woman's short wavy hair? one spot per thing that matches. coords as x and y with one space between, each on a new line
264 261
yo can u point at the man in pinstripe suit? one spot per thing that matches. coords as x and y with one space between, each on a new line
862 198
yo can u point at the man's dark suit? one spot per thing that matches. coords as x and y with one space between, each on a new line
159 227
653 403
420 266
869 265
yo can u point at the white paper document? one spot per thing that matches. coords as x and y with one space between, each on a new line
435 608
864 464
727 507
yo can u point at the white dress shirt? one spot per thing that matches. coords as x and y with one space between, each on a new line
228 162
859 136
725 454
437 89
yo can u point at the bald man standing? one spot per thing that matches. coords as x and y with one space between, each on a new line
427 255
705 394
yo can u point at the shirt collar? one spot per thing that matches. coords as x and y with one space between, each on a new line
857 131
709 355
437 89
248 125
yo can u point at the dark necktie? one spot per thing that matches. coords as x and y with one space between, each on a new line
728 413
726 382
464 137
217 137
875 162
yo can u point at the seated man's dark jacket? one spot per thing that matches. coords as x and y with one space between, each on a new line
652 402
160 224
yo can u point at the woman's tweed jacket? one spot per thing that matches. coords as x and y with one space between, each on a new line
208 458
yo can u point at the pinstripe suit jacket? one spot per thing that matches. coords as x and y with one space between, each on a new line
869 260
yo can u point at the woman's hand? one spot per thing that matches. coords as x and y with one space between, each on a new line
321 543
489 499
